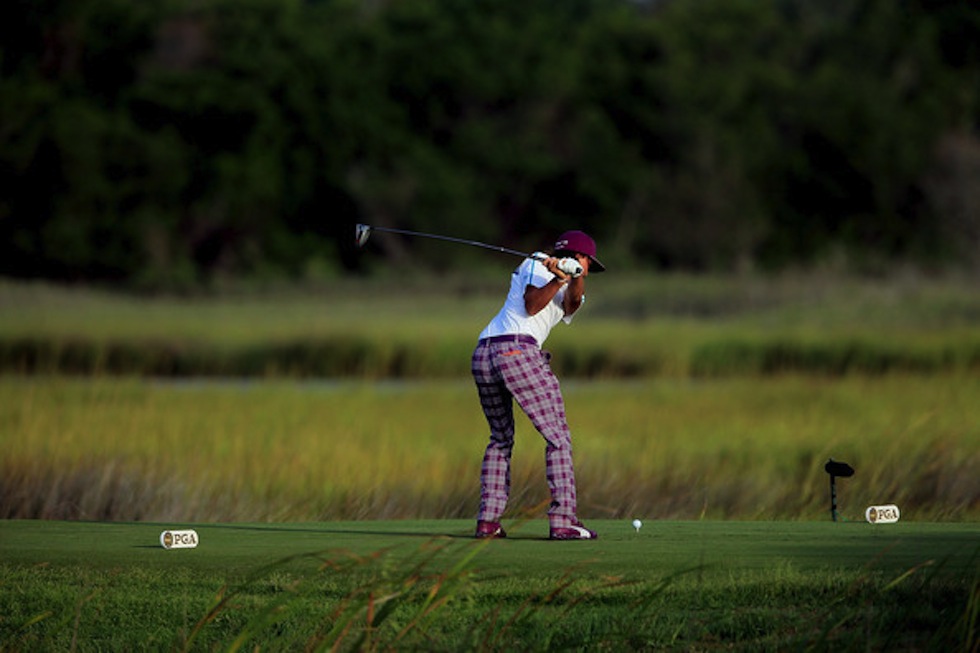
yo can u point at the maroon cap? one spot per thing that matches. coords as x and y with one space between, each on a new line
580 243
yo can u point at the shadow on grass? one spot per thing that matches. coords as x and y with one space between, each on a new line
373 532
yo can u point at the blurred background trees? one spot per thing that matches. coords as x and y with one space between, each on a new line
167 144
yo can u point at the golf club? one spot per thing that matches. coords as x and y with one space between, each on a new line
363 232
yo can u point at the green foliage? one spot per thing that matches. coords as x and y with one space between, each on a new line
352 356
173 143
830 358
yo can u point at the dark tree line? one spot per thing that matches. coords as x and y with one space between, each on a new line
163 143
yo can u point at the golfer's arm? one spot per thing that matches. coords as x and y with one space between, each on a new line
536 298
574 294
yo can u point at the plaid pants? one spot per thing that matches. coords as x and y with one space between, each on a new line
508 371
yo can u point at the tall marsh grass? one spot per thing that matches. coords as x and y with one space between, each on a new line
278 450
688 397
632 326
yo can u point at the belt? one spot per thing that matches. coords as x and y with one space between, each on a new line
512 337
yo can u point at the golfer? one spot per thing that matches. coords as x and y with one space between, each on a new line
509 364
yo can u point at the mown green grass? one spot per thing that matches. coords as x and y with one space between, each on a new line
676 585
280 450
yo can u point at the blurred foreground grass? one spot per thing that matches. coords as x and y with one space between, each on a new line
665 448
631 326
427 585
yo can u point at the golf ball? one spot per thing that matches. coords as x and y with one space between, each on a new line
637 523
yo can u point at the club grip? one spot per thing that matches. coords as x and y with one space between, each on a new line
570 267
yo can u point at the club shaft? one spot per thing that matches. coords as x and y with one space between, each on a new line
461 241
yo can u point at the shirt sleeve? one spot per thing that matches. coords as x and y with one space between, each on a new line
537 274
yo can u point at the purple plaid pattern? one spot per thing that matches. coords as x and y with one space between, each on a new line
508 371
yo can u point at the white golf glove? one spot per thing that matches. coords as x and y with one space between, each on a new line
570 266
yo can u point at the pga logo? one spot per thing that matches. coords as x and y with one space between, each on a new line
882 514
178 539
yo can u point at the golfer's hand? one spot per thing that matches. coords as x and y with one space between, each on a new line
552 265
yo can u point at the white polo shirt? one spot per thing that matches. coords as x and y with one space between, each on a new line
513 318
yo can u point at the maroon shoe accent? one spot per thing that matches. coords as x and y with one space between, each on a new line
577 532
489 529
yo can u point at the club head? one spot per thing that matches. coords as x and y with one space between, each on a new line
361 234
